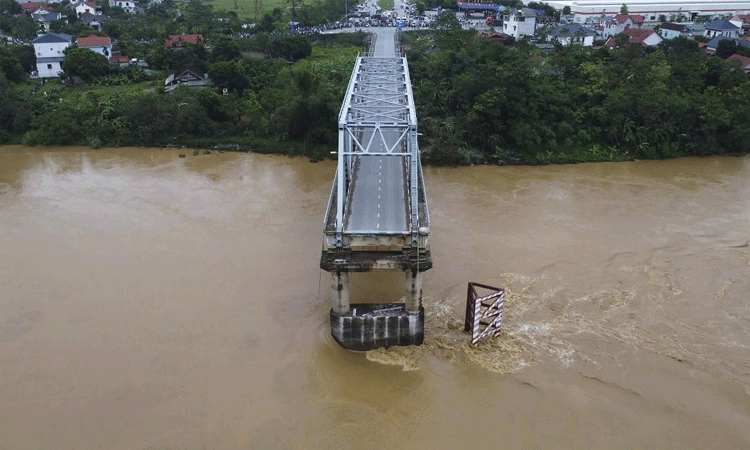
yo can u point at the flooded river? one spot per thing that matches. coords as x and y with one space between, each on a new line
149 301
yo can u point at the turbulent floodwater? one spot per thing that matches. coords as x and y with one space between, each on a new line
149 301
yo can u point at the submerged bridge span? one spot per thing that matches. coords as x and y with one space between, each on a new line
377 216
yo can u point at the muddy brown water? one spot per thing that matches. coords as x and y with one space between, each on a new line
149 301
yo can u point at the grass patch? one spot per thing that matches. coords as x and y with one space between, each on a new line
385 5
246 9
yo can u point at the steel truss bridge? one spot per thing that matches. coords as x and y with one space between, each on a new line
377 216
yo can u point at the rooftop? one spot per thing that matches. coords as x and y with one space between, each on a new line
50 38
721 24
93 41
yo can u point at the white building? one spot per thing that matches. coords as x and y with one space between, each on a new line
721 27
83 7
127 5
618 24
674 30
520 23
49 49
594 10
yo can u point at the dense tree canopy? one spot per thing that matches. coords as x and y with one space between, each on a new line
485 101
478 100
84 63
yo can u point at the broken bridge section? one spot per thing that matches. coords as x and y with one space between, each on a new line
484 308
377 216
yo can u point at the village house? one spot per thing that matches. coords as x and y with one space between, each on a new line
176 40
497 37
519 23
119 59
128 5
93 21
574 33
186 77
32 7
83 7
45 17
620 22
98 44
643 36
743 61
713 44
669 30
49 50
721 27
745 21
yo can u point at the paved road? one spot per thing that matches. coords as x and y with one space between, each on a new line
379 193
378 201
385 44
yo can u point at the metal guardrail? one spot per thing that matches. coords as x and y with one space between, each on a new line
372 44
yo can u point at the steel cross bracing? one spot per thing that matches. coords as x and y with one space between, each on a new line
378 119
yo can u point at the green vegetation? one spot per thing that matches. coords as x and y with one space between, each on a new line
272 104
385 5
477 100
250 9
483 101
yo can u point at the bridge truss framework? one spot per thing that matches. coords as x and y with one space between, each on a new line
378 101
377 120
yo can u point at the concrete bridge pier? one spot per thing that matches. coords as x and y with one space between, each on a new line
413 299
365 326
340 285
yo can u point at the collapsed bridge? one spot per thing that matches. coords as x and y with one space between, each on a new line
377 216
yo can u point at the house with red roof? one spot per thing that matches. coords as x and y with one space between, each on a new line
99 44
743 61
119 59
497 37
32 7
643 36
176 40
620 22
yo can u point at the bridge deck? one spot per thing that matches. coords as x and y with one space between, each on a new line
378 198
377 215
